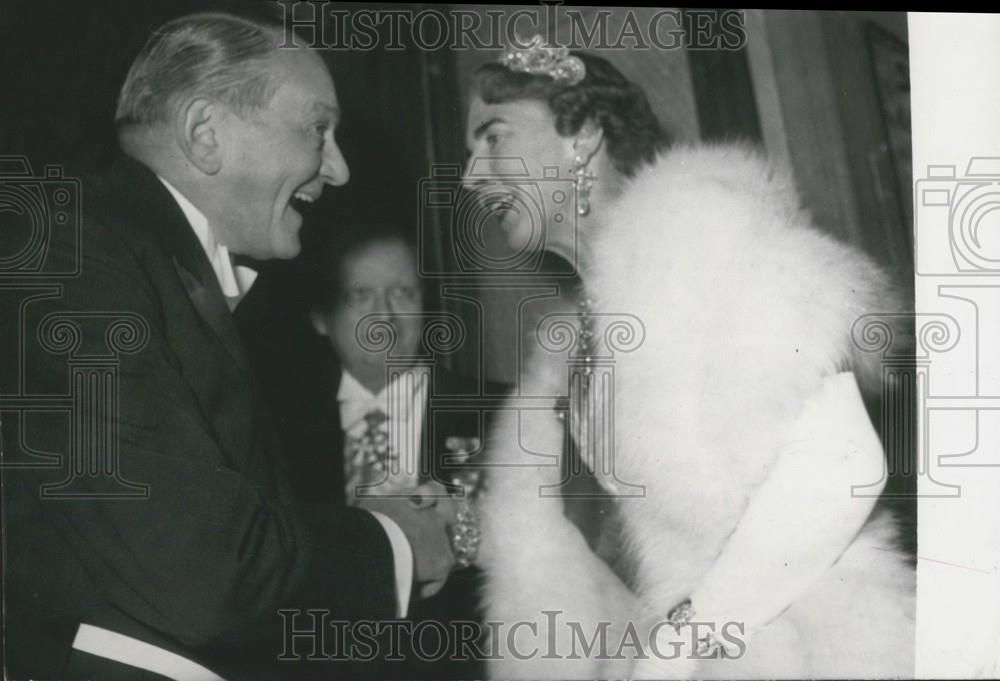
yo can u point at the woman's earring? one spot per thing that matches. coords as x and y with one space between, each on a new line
584 183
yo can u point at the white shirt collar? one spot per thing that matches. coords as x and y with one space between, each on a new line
351 389
361 399
234 281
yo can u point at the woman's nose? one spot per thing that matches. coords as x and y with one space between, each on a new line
468 181
477 169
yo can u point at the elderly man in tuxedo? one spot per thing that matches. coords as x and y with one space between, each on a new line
225 135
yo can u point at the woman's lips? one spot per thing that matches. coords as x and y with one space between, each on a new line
502 206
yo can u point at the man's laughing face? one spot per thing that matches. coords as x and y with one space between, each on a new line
281 157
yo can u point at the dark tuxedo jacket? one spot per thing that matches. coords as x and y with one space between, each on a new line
201 565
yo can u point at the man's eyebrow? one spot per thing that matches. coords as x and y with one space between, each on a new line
483 127
333 112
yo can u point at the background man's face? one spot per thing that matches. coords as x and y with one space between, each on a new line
280 157
380 278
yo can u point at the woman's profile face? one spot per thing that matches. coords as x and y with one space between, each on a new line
519 167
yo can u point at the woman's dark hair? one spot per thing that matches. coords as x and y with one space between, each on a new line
631 130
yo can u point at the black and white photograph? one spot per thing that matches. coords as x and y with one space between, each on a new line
424 341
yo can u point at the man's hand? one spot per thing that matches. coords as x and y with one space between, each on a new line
424 517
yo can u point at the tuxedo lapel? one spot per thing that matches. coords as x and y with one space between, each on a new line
212 308
143 194
334 374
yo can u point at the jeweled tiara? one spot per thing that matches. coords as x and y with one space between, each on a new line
540 59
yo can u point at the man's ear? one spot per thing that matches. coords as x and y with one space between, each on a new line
588 140
197 134
319 322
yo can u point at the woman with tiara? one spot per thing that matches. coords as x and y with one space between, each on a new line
715 325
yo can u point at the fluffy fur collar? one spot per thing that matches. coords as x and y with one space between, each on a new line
743 307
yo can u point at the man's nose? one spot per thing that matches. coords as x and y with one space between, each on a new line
378 305
334 170
386 305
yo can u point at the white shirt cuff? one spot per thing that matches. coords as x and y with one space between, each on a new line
402 559
127 650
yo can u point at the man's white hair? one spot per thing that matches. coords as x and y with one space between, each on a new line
212 53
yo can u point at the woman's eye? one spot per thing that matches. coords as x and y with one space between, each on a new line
492 140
